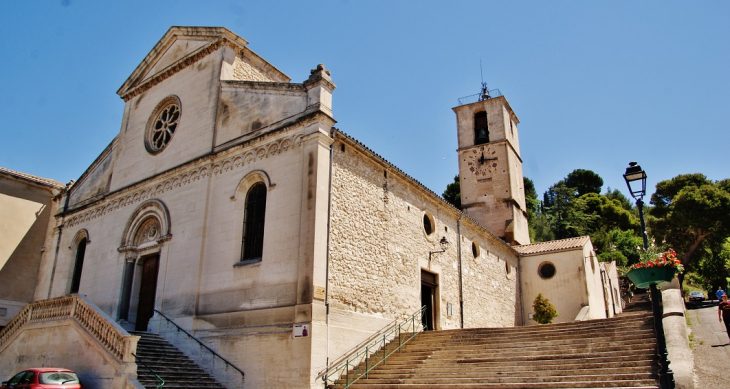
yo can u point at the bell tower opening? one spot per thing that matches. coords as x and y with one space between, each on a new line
481 128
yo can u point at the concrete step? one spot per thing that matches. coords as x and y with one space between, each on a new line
176 369
608 353
513 379
502 368
633 384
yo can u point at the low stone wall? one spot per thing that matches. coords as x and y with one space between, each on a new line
677 336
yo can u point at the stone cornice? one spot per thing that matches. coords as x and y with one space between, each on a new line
205 167
135 90
265 86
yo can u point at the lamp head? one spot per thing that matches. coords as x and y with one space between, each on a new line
634 174
444 243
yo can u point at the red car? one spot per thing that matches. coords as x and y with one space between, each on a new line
44 378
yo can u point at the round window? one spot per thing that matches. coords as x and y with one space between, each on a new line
546 270
428 224
162 124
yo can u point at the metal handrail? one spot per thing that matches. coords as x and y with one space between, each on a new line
367 350
492 93
162 382
227 362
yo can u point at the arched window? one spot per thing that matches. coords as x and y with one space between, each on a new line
253 224
481 129
78 267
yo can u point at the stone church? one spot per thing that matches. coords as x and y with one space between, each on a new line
231 205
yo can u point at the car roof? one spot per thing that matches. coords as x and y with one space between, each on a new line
47 369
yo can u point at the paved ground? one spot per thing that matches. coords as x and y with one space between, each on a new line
710 348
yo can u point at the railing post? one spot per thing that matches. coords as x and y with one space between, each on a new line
666 375
367 357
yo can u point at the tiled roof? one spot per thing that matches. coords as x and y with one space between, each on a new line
553 245
32 178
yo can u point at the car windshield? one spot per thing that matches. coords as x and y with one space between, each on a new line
58 377
696 293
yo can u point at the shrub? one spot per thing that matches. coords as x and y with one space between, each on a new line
544 311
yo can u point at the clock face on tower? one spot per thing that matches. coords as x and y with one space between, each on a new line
481 161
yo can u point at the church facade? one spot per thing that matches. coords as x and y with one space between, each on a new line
230 203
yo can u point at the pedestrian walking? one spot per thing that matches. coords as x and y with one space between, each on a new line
720 293
723 314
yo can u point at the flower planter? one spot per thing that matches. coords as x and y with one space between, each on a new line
646 276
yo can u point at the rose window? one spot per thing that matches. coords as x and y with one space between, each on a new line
163 124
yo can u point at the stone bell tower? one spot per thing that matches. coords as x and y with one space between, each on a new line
490 166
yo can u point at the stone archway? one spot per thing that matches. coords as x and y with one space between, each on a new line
147 229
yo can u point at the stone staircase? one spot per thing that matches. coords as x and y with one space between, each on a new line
171 364
606 353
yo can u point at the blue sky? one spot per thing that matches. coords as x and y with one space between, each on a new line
594 84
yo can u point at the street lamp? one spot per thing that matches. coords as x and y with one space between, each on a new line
636 181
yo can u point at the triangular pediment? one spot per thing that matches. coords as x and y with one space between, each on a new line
179 48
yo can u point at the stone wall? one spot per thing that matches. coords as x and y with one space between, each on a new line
26 209
576 283
379 247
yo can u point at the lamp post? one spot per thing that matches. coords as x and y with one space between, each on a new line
635 178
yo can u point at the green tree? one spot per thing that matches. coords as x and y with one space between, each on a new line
531 200
452 194
692 215
565 214
544 311
618 245
617 195
584 181
611 214
714 268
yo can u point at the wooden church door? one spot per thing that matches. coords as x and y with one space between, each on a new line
147 291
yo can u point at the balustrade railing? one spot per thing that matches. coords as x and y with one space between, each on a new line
373 352
78 309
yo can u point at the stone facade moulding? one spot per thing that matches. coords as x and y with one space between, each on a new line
181 177
251 178
81 234
147 227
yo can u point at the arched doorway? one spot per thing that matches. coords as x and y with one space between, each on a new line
148 228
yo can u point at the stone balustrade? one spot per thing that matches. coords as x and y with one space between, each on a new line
114 339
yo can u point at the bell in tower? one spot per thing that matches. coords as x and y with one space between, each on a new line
481 129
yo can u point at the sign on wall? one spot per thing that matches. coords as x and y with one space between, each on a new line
301 330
